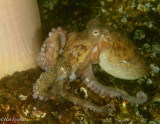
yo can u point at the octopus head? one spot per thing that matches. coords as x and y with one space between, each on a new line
121 58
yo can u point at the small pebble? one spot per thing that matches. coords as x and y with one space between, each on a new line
149 81
22 97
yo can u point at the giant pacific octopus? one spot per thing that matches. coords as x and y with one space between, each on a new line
68 56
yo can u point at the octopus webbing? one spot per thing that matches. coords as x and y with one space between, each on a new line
67 56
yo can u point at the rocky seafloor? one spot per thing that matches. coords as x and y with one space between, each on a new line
138 19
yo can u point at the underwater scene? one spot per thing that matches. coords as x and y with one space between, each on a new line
80 62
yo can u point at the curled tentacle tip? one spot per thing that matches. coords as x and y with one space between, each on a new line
142 97
35 95
34 88
41 98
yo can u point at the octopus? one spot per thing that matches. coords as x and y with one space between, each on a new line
67 56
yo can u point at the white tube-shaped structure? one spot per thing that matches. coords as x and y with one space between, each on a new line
20 35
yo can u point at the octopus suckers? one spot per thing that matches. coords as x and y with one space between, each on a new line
62 69
51 45
42 58
44 45
50 34
87 80
60 51
72 77
95 49
124 61
42 49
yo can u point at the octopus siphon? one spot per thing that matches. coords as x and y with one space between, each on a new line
67 56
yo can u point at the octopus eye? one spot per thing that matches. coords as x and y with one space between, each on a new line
95 32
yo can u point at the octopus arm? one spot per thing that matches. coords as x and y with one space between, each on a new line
109 108
102 90
51 48
48 83
43 84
